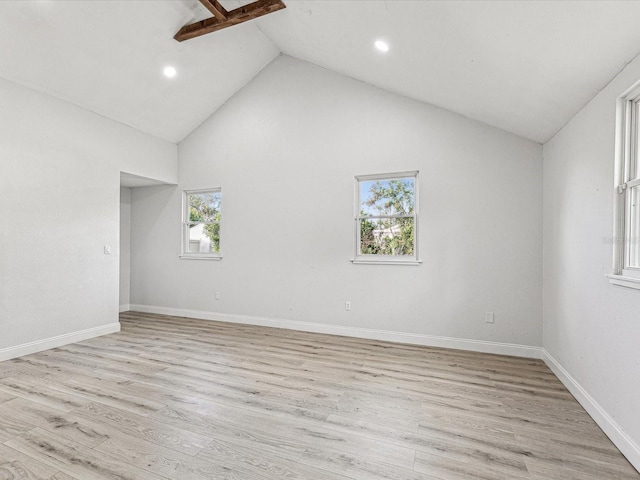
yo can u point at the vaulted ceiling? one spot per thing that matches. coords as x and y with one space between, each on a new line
526 67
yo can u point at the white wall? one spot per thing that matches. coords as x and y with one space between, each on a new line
59 205
591 328
125 248
285 151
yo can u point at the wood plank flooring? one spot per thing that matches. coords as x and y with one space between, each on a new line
187 399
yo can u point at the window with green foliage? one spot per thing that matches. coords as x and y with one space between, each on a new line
387 218
201 223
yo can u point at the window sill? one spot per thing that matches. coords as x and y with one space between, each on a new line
371 261
623 281
201 257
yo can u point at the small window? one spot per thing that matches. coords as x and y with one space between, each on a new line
386 218
626 255
201 224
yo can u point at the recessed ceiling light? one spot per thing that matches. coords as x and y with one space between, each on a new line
170 72
382 46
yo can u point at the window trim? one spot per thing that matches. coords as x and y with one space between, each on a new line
184 233
627 153
358 258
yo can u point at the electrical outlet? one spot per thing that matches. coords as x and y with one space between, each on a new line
107 249
347 306
217 295
489 317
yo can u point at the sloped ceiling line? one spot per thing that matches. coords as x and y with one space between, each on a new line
523 67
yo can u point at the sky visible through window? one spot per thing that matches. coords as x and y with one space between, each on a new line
204 207
386 211
377 197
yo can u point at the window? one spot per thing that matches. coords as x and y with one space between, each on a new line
386 218
201 224
626 255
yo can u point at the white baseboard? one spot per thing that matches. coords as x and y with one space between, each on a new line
386 335
609 426
58 341
125 307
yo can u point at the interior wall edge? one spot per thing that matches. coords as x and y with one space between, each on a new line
606 422
525 351
57 341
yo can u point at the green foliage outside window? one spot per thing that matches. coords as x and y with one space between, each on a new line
388 226
203 208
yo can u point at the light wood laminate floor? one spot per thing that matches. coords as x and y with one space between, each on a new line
187 399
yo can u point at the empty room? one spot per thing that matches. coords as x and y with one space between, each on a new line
319 239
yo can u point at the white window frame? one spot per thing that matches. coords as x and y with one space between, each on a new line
627 176
185 254
386 259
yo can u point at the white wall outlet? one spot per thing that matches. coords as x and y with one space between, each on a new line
107 249
217 295
347 306
489 317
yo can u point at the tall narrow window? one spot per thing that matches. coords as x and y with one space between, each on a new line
631 190
626 255
386 218
201 217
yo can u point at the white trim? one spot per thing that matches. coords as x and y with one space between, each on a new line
631 272
484 346
125 308
619 199
203 190
383 260
387 176
58 341
195 256
625 178
624 281
609 426
184 242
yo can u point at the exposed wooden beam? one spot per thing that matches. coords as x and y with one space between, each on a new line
216 9
233 17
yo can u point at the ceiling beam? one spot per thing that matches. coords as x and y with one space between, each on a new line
216 9
233 17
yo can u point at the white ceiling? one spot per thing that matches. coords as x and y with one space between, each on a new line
524 66
108 56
